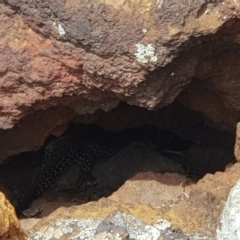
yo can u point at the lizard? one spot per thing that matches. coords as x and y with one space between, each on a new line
85 148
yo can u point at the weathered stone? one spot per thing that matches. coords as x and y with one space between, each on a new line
157 190
205 203
32 131
230 221
117 225
237 143
196 209
130 161
9 225
92 55
59 59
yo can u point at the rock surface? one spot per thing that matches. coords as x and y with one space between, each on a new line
117 225
91 55
157 190
196 211
237 143
230 220
109 174
9 225
130 161
31 133
59 59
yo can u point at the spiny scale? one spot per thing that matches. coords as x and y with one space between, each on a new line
86 147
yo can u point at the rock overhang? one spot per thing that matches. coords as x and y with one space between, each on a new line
75 57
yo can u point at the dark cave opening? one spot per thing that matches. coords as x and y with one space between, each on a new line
198 149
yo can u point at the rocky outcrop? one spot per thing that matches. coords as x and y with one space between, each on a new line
83 56
63 59
31 133
9 225
195 208
237 143
230 218
90 56
117 225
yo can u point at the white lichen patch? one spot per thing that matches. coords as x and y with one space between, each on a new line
72 229
61 30
230 220
145 54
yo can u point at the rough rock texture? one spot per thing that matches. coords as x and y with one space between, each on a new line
237 143
31 133
130 161
196 209
116 226
190 207
230 220
116 168
157 190
90 55
59 59
9 225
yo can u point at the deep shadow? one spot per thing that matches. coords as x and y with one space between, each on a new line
184 156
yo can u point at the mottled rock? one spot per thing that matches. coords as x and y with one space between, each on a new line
67 229
196 210
91 55
9 225
117 225
230 219
237 143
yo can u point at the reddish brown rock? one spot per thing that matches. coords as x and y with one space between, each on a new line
59 59
88 56
32 131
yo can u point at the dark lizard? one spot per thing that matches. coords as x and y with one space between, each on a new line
85 148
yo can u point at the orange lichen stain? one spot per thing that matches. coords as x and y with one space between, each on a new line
20 36
184 217
101 209
9 225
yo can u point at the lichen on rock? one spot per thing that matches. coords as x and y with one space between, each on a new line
91 55
9 225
